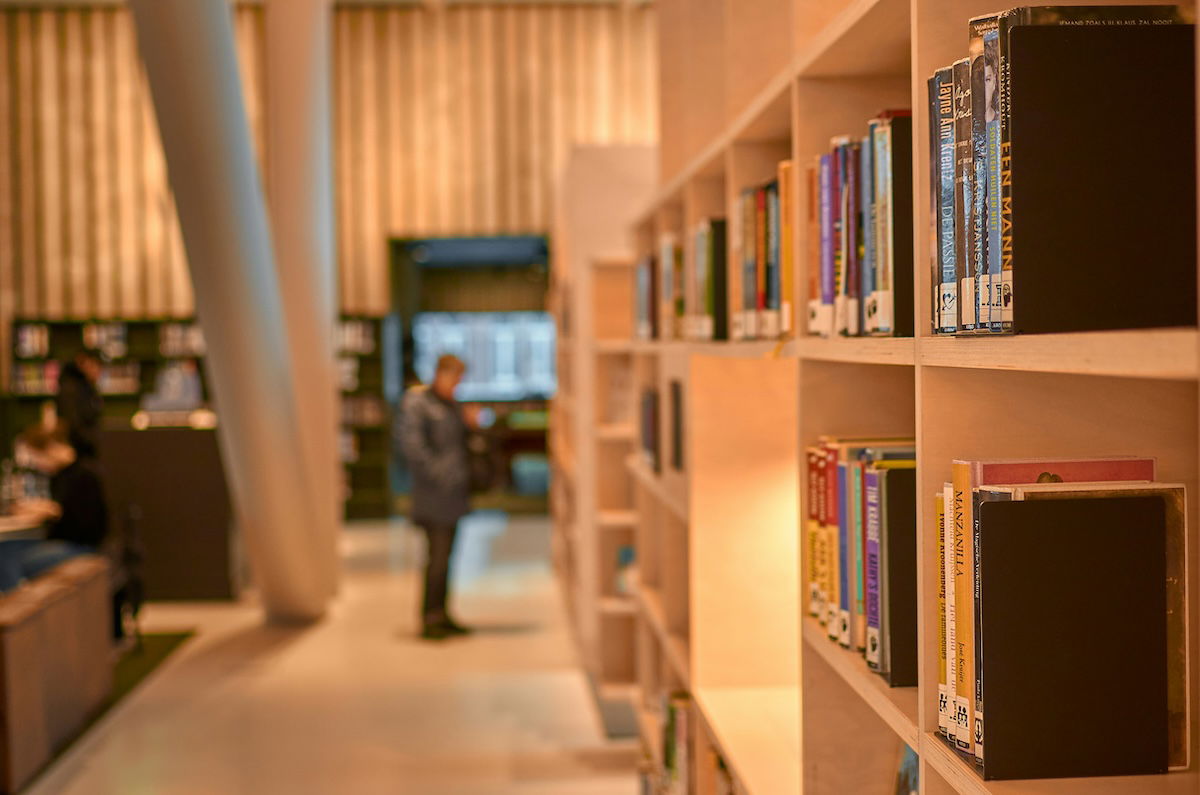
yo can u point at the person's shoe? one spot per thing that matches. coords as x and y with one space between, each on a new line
454 628
436 632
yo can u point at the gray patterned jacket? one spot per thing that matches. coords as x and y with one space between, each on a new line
433 437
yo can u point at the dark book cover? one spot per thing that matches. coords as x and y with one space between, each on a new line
677 426
718 305
1110 116
853 222
898 601
1073 600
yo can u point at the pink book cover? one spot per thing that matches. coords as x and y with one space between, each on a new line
1066 470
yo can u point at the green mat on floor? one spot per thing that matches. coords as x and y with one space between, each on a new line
134 666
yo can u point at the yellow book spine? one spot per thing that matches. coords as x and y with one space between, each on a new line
964 608
943 694
787 255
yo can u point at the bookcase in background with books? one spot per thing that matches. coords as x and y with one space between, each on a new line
368 351
799 169
593 414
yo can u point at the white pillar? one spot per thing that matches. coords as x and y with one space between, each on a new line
188 49
299 174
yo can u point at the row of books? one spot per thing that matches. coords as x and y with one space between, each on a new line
363 410
677 728
181 340
347 370
32 341
650 430
1001 174
41 378
701 293
859 222
355 337
110 340
1063 598
860 526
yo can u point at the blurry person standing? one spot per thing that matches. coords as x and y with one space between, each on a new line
79 403
433 435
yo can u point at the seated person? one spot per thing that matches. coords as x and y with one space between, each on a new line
75 516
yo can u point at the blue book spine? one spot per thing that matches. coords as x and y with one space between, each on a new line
866 193
947 242
979 181
874 641
750 264
845 555
825 311
991 74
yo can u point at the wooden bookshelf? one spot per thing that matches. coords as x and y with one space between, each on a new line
592 426
721 568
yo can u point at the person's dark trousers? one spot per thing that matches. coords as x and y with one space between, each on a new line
437 571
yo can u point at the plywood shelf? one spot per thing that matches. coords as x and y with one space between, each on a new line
674 646
616 432
757 730
618 606
869 38
1154 353
859 350
962 776
896 706
613 346
617 520
654 484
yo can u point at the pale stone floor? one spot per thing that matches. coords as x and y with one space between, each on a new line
356 704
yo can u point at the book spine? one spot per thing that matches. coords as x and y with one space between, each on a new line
787 248
979 176
853 221
935 266
825 313
762 225
772 320
885 253
719 278
666 292
866 193
641 295
963 203
821 557
964 607
1002 284
947 305
939 510
873 638
839 236
991 79
811 529
951 617
833 593
813 250
733 272
845 555
680 294
858 530
750 265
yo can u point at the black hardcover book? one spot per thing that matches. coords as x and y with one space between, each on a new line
677 426
719 274
1095 232
899 561
901 245
1073 599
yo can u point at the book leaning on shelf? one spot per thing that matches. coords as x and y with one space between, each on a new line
859 223
1018 126
1111 530
861 549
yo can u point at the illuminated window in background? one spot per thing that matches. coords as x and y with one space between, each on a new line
509 355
